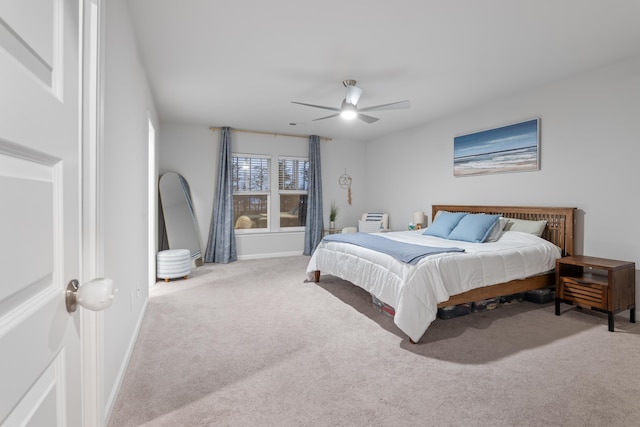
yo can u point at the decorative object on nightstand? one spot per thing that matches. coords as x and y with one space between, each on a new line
332 216
418 220
601 284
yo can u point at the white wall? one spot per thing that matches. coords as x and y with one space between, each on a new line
124 203
338 157
193 152
590 146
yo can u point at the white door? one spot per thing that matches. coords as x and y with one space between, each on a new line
40 366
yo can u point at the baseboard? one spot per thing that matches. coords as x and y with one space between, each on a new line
125 363
269 255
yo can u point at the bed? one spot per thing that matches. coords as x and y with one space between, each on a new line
483 270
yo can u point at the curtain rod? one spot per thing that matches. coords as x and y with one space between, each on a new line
259 132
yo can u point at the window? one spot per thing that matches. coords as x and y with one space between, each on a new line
253 194
293 186
250 180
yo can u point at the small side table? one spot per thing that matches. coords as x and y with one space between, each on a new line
331 231
601 284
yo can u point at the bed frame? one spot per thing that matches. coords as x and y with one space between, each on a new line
559 231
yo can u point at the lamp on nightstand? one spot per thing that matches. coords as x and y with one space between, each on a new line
418 219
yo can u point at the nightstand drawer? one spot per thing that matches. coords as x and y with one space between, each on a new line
583 292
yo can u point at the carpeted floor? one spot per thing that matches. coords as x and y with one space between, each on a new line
251 344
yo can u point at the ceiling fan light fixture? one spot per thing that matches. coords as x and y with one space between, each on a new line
348 111
348 114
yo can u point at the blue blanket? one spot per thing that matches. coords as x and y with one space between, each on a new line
405 252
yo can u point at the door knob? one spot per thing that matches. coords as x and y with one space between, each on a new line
95 295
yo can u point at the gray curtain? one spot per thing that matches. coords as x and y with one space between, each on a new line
313 231
221 246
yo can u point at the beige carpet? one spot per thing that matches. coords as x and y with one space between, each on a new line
250 344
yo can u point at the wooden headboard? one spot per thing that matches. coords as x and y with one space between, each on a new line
560 221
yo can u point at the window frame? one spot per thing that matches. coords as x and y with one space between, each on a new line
273 193
268 192
291 192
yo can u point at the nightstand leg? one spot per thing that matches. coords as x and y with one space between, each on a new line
610 316
557 307
632 314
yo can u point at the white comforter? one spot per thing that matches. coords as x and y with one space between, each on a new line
416 290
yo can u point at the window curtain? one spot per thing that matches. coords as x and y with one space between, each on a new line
314 225
221 246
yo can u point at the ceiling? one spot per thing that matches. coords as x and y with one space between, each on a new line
240 63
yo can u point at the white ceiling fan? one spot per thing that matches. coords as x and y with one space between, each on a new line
349 108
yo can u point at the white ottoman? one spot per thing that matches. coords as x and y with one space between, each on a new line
173 263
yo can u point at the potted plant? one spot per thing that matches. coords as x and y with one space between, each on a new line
332 216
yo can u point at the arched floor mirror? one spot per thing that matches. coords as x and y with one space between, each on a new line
178 224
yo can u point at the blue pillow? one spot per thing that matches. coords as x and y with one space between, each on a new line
474 228
443 224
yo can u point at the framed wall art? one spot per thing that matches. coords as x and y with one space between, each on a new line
511 148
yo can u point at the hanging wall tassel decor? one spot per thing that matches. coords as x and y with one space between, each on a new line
345 182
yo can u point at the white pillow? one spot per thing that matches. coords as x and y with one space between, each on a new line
496 231
369 226
533 227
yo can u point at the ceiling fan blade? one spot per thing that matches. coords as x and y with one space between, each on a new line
353 94
316 106
391 106
368 119
328 117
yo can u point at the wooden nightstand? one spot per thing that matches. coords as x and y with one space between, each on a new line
600 284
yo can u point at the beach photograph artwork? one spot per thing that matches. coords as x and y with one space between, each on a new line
512 148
